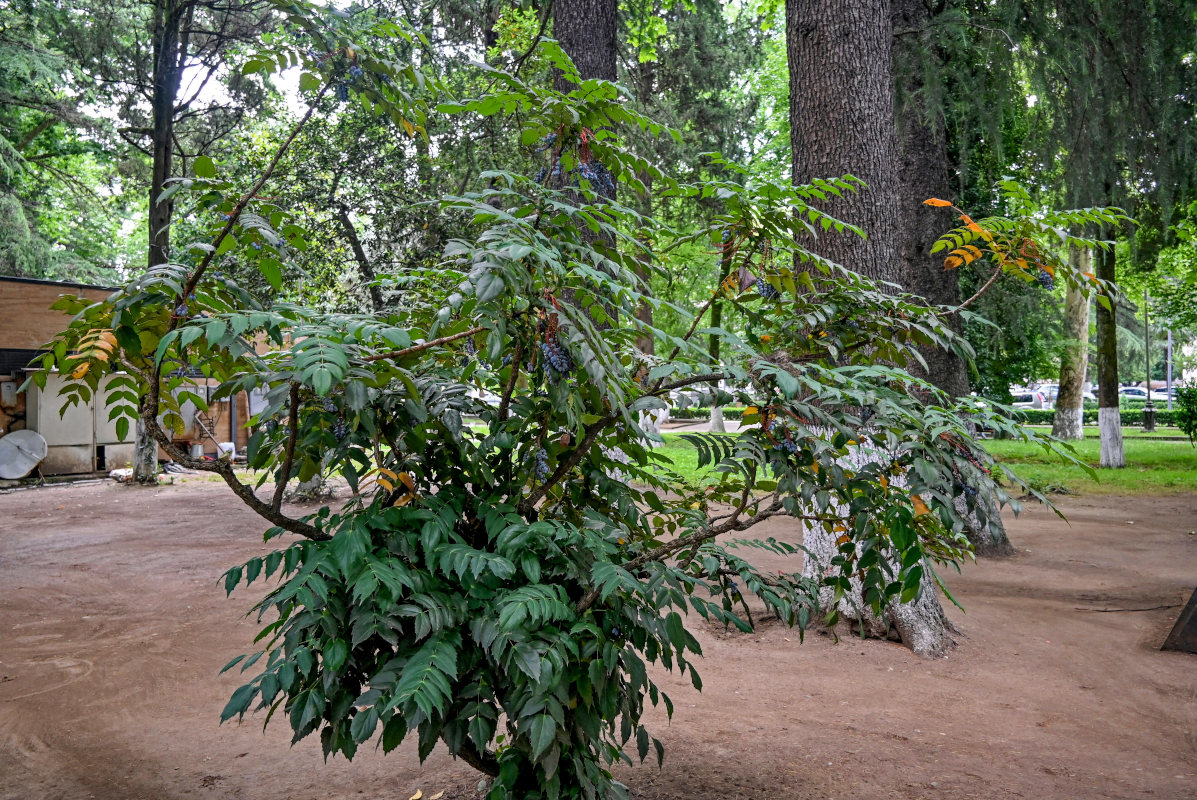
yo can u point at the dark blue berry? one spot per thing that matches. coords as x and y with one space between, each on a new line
540 467
356 72
766 289
557 359
1045 279
343 92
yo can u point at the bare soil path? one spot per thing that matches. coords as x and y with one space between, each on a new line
113 626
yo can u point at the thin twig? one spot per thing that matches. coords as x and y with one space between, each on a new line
416 348
1109 610
980 292
288 459
235 214
505 401
689 540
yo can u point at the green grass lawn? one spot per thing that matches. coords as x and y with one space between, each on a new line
1153 466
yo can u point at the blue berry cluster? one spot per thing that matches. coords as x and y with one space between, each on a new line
787 445
1045 279
599 177
343 92
546 143
356 73
181 309
540 467
340 430
557 359
767 290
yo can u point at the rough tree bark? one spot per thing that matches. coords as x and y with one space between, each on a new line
842 121
586 31
170 53
1067 423
1109 420
923 173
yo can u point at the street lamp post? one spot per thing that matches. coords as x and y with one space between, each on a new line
1149 409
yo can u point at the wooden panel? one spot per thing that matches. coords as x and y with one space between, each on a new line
26 321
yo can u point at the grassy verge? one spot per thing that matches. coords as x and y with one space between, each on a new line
1153 466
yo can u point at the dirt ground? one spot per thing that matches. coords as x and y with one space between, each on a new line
113 628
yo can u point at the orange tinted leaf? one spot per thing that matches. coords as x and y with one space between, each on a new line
920 508
80 371
406 480
951 262
935 201
1049 269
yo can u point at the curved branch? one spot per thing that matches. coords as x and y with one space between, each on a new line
485 762
416 348
149 416
980 292
681 543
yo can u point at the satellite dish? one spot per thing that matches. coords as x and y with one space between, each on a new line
20 452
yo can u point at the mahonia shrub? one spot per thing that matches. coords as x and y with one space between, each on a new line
505 571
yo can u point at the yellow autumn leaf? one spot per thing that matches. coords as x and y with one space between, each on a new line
390 487
920 508
751 410
406 480
884 482
80 371
935 201
951 262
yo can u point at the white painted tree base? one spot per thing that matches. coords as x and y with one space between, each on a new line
1068 424
1109 424
920 624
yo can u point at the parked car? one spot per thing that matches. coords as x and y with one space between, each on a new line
1048 392
1025 399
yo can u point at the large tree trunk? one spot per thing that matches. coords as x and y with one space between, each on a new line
924 173
1109 420
586 30
168 63
1069 418
842 121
